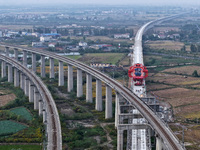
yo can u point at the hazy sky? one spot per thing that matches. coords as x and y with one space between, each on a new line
114 2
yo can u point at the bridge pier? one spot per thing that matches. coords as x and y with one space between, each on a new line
89 88
16 77
7 51
42 69
70 78
25 58
44 114
120 139
61 74
21 80
36 99
158 144
52 72
98 105
31 92
33 62
16 54
116 109
79 83
3 69
40 107
26 86
10 73
108 111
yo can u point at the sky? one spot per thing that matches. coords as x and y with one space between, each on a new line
110 2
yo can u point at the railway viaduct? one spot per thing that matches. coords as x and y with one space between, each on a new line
124 97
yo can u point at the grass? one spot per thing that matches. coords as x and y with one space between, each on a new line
20 147
23 112
112 58
10 127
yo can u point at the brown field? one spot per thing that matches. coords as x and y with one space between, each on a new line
183 70
5 97
153 86
103 39
183 100
166 29
165 44
173 79
16 27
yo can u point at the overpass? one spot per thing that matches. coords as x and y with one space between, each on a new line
38 93
122 93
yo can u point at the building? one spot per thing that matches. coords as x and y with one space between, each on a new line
52 45
37 44
45 38
1 34
122 36
82 44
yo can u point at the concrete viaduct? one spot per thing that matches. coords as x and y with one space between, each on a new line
124 96
38 94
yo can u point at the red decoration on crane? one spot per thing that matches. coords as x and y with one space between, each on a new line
138 73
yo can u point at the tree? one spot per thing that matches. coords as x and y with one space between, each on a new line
193 48
195 73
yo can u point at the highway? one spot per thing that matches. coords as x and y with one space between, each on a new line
157 124
53 122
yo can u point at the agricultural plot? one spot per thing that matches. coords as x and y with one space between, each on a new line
185 70
20 147
9 127
166 45
23 112
112 58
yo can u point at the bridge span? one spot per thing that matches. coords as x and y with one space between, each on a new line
166 135
39 94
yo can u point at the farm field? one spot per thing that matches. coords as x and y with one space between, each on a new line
20 147
23 112
10 127
112 58
6 97
165 44
185 70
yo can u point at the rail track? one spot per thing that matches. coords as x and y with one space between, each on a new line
157 124
53 121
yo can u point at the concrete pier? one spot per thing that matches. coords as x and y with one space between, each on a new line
36 99
52 72
31 92
120 139
33 62
16 53
25 58
26 86
21 80
158 144
10 73
108 111
89 88
16 77
70 78
44 115
7 51
61 74
98 105
79 83
42 66
3 69
116 109
40 107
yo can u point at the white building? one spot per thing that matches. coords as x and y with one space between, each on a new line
122 36
45 39
82 44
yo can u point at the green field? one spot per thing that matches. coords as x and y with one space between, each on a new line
10 127
112 58
23 112
20 147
